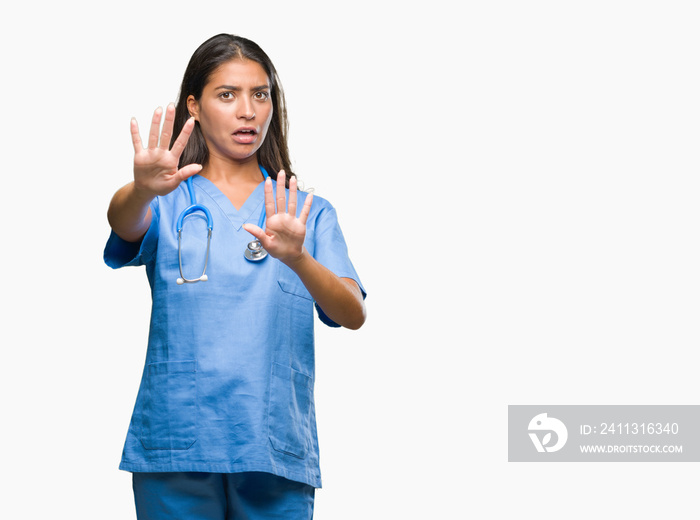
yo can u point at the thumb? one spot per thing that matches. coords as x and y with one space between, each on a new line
188 171
256 232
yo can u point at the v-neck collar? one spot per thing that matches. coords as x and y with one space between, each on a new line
249 212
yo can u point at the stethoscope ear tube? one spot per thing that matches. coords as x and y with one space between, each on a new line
180 223
203 277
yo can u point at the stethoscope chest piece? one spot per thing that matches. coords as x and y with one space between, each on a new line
255 251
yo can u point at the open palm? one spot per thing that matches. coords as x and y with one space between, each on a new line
156 166
284 232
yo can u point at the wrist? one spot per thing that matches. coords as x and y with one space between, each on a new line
141 194
295 263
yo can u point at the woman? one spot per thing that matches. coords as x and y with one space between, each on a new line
224 423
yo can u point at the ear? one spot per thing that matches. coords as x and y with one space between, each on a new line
193 107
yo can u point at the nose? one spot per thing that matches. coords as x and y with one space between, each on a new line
246 110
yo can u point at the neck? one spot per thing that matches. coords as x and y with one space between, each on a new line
228 172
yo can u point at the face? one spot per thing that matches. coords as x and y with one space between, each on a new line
235 110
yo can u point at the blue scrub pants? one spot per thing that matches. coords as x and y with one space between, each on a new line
221 496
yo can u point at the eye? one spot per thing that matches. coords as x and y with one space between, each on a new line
226 95
261 95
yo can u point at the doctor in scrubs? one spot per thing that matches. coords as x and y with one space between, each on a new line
224 425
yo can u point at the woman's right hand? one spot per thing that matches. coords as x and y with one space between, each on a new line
155 173
156 166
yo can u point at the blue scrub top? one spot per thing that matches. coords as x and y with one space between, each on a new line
229 376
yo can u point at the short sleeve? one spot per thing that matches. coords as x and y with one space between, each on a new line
331 251
120 253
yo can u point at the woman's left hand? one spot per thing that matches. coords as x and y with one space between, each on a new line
284 232
340 298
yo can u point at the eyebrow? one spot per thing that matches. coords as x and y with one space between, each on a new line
237 89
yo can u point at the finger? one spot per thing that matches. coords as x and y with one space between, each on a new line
255 231
259 234
167 132
281 194
269 200
135 136
181 141
292 203
155 127
306 209
304 215
189 171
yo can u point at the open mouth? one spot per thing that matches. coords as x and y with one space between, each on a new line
245 135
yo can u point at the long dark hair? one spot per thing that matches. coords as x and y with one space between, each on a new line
273 154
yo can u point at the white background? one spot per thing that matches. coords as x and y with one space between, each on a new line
518 185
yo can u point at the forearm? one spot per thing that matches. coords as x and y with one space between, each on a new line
340 298
129 214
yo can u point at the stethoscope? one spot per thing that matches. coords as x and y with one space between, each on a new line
253 252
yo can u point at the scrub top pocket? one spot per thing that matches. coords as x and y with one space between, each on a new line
169 406
291 398
290 282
